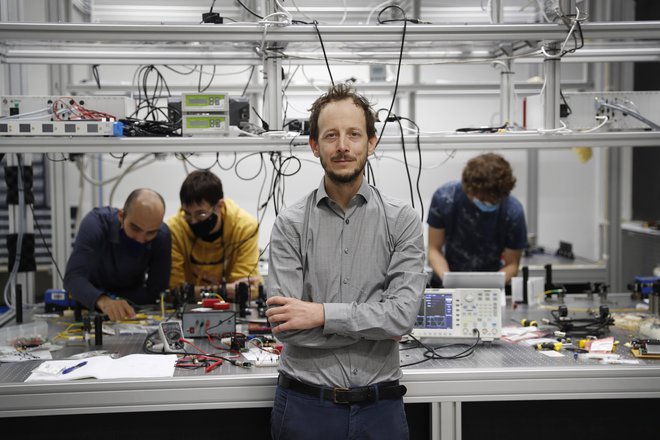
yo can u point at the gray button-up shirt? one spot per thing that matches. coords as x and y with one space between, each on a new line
366 266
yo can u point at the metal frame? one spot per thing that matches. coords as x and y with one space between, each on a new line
504 141
648 30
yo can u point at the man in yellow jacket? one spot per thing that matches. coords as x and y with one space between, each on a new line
214 241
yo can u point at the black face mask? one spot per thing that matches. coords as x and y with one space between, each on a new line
203 229
132 245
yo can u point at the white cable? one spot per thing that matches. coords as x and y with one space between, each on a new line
631 112
571 30
560 130
125 173
95 182
311 81
20 233
343 18
599 126
286 22
20 115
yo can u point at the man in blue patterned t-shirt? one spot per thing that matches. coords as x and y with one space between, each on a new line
475 224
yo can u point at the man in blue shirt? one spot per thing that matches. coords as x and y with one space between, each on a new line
475 225
121 256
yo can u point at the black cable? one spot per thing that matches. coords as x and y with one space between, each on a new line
371 177
419 170
265 124
431 353
199 82
568 107
405 160
398 70
248 81
325 56
64 159
482 129
217 161
95 74
249 10
242 159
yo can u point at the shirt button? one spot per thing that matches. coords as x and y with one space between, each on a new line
347 221
346 250
345 280
355 371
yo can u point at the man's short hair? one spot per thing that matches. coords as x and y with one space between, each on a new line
200 186
488 177
128 204
339 92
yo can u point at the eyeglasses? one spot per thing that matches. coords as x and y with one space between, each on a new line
197 216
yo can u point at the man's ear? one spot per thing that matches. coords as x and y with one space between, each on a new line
315 147
371 147
120 217
221 203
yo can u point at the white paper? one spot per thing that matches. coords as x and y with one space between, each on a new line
105 367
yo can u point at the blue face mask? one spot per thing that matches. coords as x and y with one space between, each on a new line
485 207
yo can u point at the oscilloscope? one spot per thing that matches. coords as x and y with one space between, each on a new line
459 313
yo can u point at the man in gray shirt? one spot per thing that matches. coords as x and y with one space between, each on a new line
346 277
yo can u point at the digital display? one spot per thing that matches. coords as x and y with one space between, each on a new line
198 123
198 100
435 311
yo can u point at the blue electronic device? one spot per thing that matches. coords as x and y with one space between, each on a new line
644 285
56 300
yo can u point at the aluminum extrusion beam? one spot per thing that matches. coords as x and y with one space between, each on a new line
303 33
505 141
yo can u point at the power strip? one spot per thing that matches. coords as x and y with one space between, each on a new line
60 128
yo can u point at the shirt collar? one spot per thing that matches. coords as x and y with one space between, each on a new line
364 191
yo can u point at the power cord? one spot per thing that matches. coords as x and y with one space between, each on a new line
431 353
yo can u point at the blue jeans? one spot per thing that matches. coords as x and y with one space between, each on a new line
297 416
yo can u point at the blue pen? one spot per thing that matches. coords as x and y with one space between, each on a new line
75 367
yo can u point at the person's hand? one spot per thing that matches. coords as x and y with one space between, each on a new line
116 309
294 314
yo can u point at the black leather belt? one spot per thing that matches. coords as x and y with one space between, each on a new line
384 390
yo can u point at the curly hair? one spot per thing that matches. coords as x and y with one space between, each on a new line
339 92
488 177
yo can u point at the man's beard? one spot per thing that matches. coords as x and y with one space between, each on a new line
344 178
